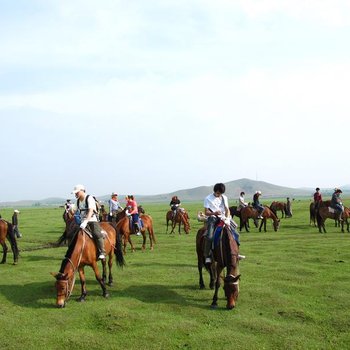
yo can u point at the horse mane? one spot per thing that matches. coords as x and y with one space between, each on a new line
69 252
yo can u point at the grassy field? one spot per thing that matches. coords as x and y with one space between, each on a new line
294 291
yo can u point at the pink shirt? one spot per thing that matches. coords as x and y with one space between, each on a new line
133 205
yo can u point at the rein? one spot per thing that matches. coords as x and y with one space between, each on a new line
75 268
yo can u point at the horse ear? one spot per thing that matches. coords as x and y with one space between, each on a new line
54 274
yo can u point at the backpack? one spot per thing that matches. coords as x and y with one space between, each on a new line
97 205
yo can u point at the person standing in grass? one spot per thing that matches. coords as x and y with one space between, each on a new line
15 223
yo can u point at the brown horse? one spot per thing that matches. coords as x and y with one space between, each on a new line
323 213
6 231
235 212
313 211
225 254
123 227
181 217
82 251
201 260
249 212
279 206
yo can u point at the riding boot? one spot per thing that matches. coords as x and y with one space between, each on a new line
100 246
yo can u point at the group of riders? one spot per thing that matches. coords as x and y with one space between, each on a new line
336 202
88 213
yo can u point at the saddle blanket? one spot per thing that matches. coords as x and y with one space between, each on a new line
217 235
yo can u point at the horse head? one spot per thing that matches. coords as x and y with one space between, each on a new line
140 209
62 288
231 288
276 224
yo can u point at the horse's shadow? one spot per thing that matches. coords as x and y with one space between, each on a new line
32 295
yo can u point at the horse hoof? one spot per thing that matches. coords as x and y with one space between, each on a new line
80 300
106 295
214 306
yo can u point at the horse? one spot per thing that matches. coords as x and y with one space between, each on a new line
200 241
249 212
67 215
313 211
326 212
235 212
225 254
181 217
123 227
279 206
82 251
6 231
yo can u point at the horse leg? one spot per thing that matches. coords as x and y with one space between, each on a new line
214 303
150 236
4 254
132 245
262 222
104 270
200 271
83 285
100 280
180 227
143 240
110 264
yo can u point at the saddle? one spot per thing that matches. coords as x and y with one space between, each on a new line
218 230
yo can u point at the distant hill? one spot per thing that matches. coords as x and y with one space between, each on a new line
233 189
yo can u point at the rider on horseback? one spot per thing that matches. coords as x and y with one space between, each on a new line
241 202
317 198
336 203
134 213
257 205
216 209
174 204
114 207
89 218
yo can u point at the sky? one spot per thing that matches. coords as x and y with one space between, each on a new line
154 96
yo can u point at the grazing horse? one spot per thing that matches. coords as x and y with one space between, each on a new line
6 231
82 251
123 227
200 241
269 214
323 213
181 217
279 206
225 254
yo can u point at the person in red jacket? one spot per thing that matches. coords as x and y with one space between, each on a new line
317 198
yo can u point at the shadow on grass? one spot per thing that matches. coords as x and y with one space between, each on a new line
31 295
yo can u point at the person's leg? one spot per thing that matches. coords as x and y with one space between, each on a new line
99 238
208 237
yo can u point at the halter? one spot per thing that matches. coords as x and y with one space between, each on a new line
69 290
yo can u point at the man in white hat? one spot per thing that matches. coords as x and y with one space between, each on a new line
15 224
114 207
257 205
86 204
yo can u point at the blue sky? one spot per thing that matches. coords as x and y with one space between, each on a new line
150 97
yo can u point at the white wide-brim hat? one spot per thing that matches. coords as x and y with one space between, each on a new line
78 188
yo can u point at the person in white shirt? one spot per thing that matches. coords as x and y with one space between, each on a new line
241 201
216 209
86 204
114 207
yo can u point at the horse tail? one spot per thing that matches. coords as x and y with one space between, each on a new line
118 251
13 241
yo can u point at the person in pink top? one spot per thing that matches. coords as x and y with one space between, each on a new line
134 212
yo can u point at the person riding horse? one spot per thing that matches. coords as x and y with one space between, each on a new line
174 205
317 199
215 208
134 213
114 207
241 201
336 203
89 218
257 205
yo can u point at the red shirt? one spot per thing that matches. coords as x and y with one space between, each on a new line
317 197
133 205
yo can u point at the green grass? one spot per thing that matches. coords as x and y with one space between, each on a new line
294 291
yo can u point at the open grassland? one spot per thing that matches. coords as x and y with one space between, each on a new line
294 291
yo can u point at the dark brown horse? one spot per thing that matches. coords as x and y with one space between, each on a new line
82 252
225 254
279 206
235 212
124 228
6 232
201 260
249 212
181 217
313 211
323 213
